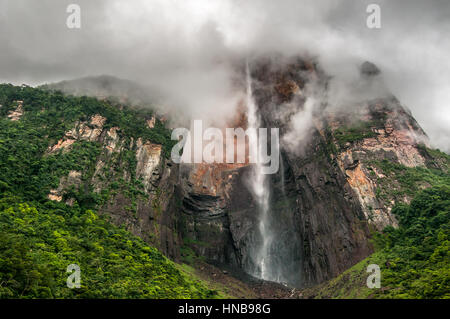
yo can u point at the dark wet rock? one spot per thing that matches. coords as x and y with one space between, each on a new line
369 69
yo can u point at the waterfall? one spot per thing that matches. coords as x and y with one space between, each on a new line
261 192
275 243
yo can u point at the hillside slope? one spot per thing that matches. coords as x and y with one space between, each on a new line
414 259
43 231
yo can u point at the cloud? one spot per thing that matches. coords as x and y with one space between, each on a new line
188 49
299 127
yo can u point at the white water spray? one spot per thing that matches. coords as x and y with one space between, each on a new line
261 193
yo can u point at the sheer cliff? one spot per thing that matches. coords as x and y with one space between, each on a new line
330 193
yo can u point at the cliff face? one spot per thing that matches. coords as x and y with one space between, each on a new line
151 214
394 136
326 213
323 200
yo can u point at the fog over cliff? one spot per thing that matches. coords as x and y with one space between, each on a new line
188 50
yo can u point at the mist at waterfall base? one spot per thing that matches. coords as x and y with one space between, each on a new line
274 255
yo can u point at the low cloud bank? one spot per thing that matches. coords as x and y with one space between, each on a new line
188 50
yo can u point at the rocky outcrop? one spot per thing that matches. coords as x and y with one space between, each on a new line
86 131
369 69
151 122
73 179
396 137
150 215
17 113
148 157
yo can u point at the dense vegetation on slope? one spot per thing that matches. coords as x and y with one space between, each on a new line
414 258
400 181
25 168
353 133
40 238
38 242
51 113
418 252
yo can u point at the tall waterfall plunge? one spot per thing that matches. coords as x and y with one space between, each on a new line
274 255
261 193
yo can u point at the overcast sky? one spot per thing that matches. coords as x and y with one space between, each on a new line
186 47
